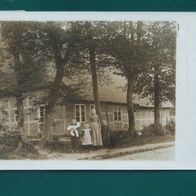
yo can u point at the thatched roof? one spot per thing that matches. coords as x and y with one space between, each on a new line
113 91
110 91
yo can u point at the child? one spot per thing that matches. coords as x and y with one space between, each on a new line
74 134
86 139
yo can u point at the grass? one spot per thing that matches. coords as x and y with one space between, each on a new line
117 141
128 141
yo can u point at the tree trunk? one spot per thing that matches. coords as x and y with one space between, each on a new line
47 130
106 113
94 81
52 98
19 96
20 117
130 107
156 98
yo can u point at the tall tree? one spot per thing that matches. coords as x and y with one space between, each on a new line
128 46
158 81
17 38
60 45
92 43
90 38
37 48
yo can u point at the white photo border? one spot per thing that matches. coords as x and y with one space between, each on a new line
185 145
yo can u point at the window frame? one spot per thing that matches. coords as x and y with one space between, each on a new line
80 112
117 110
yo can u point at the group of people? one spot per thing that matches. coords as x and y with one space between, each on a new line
86 135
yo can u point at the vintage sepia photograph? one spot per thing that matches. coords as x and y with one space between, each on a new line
88 90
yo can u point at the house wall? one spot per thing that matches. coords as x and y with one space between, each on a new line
64 114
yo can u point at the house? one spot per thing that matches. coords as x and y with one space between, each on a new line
113 110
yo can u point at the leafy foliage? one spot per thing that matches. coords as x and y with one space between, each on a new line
161 59
53 55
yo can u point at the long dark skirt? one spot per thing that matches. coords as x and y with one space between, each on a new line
96 134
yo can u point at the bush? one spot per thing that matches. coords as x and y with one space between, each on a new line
26 150
9 141
154 130
118 138
13 147
171 127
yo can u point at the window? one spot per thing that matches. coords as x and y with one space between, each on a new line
80 113
117 113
